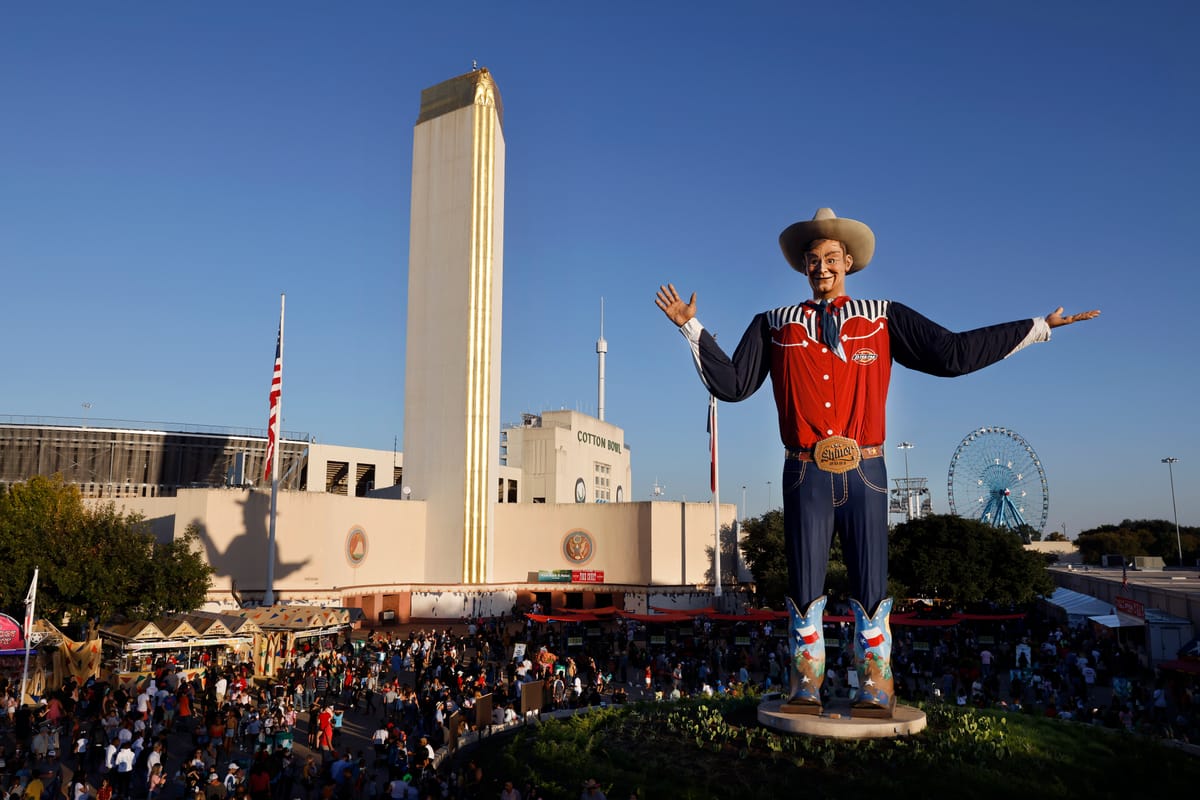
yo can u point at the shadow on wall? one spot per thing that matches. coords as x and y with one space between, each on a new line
243 561
730 558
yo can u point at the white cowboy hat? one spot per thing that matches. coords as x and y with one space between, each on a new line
858 238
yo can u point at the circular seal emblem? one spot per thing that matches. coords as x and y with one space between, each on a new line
356 546
578 547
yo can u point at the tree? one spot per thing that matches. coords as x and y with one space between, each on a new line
763 550
965 561
762 547
95 563
1057 536
1143 537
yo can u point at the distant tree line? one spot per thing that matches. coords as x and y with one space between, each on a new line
1143 537
95 562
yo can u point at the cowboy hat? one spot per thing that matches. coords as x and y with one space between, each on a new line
858 238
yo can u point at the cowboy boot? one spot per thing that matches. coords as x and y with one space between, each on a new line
806 644
873 660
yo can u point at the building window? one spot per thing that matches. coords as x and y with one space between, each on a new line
364 482
602 482
337 474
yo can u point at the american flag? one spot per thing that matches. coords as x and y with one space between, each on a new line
276 392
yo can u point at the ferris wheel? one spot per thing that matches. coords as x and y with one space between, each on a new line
997 478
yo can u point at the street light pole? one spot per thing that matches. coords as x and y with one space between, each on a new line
743 502
768 495
1171 472
908 515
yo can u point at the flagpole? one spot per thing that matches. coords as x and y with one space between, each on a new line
269 594
716 502
30 606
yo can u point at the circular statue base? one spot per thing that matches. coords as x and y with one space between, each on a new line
837 721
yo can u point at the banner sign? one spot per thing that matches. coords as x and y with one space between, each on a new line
1127 605
554 576
10 634
587 576
574 641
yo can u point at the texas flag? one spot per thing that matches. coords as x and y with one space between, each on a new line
873 636
809 634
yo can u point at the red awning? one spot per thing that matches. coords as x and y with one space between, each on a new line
563 617
754 615
707 611
1182 665
913 621
989 617
655 617
607 611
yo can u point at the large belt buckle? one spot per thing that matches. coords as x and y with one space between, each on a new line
837 454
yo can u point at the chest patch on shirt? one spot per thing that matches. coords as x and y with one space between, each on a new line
864 356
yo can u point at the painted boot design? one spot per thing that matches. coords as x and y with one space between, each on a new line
806 643
873 660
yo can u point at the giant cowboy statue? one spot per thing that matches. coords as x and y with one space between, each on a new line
830 360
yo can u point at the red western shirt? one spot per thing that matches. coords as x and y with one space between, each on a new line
820 393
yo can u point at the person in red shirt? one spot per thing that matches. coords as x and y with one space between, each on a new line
829 360
325 729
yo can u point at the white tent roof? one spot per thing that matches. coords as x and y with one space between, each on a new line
1118 621
1079 604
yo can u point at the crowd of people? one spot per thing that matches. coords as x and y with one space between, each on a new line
226 734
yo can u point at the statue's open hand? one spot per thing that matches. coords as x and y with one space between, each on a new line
1055 319
673 306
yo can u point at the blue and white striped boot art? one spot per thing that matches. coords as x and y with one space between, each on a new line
873 661
806 643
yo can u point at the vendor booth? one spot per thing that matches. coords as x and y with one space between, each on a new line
189 642
288 633
13 651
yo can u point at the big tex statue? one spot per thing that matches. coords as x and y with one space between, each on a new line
830 361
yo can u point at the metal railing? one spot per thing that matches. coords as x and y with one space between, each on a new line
100 423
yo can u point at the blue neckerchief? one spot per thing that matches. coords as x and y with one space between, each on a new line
830 325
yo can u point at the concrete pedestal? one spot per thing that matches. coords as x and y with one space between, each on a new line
836 721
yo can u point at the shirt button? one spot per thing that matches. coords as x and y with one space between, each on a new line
829 433
827 404
824 349
826 377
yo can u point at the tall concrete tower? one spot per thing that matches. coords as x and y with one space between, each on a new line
452 368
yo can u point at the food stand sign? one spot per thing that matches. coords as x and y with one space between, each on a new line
1127 605
10 634
587 576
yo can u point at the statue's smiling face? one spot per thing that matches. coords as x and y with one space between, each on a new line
826 264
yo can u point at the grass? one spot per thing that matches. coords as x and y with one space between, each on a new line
713 750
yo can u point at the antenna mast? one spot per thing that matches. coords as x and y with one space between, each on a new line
601 351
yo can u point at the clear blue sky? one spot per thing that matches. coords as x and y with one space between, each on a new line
169 168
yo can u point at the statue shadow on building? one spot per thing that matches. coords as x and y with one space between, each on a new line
242 560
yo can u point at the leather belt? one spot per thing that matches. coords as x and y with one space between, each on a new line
869 451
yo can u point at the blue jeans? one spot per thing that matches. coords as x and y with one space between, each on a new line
816 504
